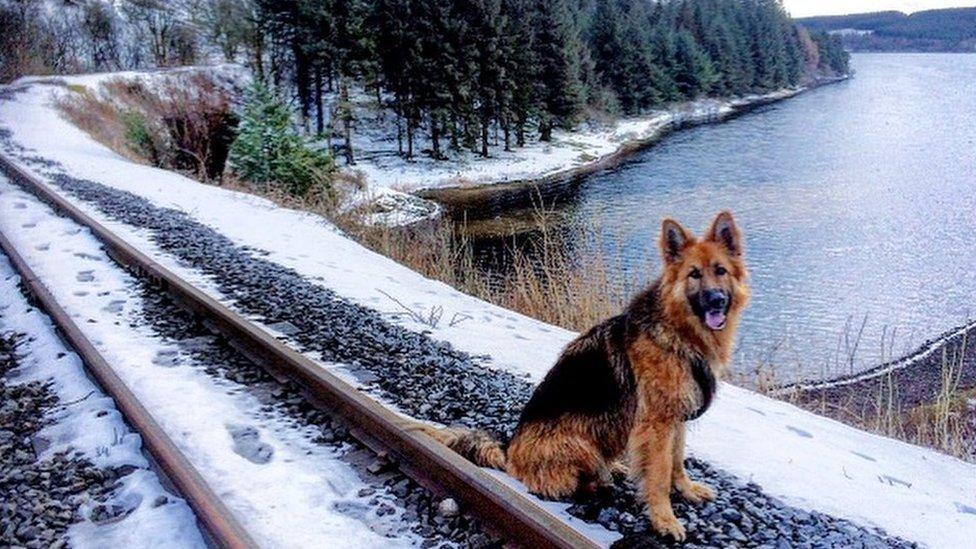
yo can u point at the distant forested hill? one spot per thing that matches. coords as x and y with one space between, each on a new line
934 30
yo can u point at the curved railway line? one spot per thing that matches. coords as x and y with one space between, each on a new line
386 433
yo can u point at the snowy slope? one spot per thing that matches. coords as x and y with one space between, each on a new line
809 461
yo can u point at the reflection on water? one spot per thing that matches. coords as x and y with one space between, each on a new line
857 201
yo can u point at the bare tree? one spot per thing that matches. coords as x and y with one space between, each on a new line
101 35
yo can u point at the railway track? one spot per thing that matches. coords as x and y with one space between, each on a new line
506 510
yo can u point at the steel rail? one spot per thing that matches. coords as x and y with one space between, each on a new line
218 522
418 455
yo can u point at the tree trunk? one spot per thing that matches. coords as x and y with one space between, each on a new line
545 131
409 136
454 132
319 107
485 120
399 124
435 141
347 120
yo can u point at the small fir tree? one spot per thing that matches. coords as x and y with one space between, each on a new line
268 152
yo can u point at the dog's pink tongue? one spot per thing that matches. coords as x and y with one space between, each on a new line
715 319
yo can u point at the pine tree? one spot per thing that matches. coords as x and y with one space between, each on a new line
665 56
524 65
268 152
694 74
557 45
487 25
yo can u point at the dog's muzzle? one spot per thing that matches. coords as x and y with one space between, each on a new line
714 308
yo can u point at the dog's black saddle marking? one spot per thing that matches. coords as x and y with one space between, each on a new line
705 380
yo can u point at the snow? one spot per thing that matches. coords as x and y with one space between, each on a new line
303 495
87 424
807 460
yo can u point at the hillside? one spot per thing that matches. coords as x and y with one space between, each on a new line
947 30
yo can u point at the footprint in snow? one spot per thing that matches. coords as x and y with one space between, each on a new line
20 206
963 508
863 456
85 276
168 358
800 432
758 411
893 481
248 445
43 247
29 225
114 306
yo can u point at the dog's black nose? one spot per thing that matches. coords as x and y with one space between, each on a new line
714 299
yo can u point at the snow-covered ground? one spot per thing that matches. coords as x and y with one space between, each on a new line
809 461
88 425
301 494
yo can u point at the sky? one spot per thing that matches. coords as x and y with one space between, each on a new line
806 8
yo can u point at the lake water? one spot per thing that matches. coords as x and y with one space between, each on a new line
858 202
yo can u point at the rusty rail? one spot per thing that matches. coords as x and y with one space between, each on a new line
419 456
218 522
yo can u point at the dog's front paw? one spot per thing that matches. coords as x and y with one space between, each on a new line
696 492
666 524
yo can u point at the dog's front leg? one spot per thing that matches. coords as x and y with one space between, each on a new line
652 452
694 492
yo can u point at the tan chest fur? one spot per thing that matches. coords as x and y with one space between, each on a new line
665 387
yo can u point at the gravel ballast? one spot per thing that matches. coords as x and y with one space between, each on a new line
431 380
42 498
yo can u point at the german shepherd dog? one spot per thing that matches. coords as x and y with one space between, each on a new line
626 387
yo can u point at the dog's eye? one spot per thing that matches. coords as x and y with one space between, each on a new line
720 270
695 273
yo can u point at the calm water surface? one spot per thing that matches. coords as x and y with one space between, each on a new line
858 201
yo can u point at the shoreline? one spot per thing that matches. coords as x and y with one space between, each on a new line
913 380
458 196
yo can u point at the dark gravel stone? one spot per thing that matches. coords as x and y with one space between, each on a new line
41 498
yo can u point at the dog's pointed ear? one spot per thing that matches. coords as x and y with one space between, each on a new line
726 232
674 240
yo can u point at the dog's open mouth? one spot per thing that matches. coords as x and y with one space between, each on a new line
715 319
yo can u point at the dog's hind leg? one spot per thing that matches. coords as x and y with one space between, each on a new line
553 460
694 492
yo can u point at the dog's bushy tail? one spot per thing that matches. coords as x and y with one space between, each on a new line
474 445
